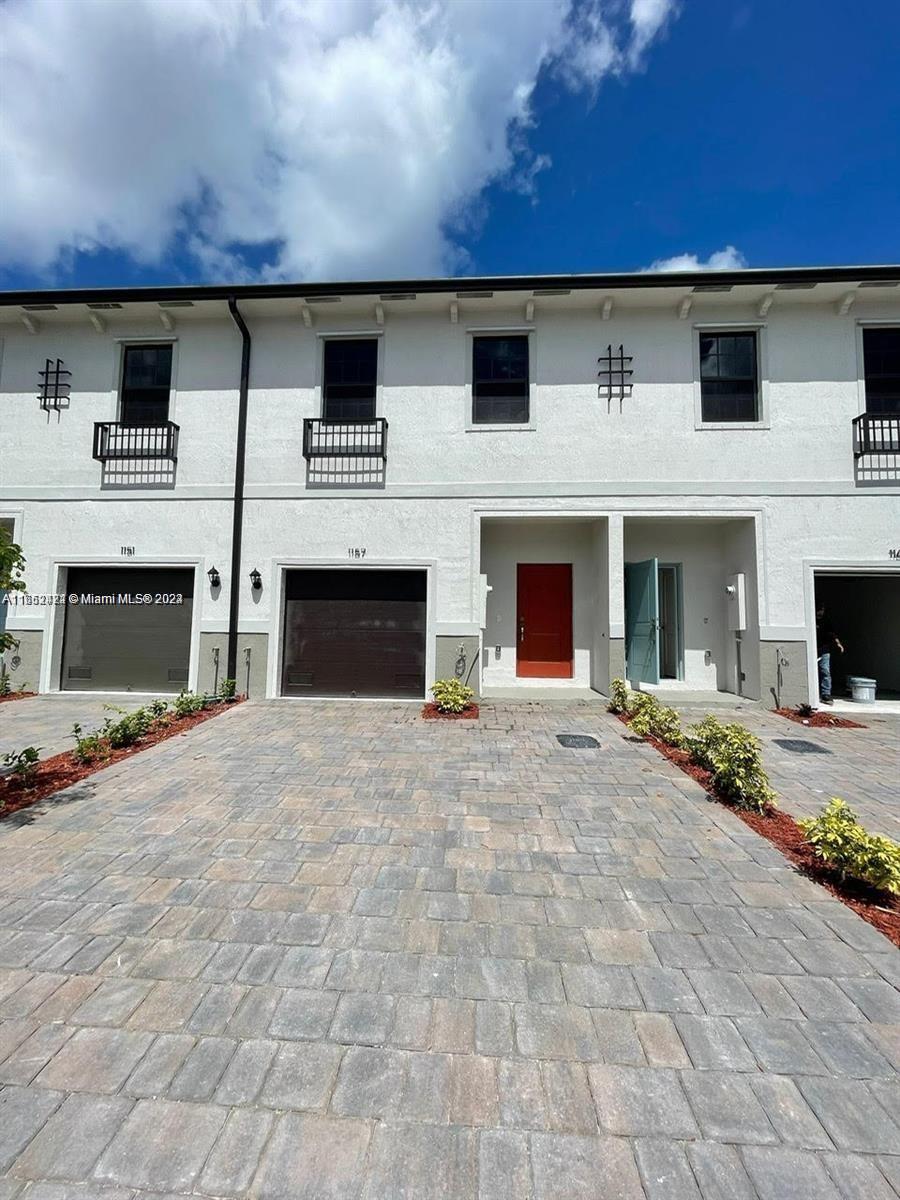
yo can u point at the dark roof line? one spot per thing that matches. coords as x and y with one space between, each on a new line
495 283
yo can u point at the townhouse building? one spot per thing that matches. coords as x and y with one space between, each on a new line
353 489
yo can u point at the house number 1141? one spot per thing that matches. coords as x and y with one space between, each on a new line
356 552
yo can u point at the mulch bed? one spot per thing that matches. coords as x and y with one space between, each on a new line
16 696
879 908
818 720
62 770
431 712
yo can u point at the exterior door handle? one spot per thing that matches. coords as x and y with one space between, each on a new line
521 631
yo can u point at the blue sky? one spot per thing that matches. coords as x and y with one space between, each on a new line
604 135
770 126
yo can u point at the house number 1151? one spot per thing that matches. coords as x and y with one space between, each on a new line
356 552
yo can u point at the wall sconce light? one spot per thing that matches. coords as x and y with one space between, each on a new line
215 579
255 580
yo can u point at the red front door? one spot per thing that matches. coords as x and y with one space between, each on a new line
544 621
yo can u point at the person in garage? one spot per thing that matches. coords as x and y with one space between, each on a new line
827 641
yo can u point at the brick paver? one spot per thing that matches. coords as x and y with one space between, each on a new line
862 766
46 721
330 950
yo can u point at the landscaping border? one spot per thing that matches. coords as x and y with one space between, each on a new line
817 719
17 696
60 771
431 712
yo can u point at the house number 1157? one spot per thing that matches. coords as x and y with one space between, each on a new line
356 552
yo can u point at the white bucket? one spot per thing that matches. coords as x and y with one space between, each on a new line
862 689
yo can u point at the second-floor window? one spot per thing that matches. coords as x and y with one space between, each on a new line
881 358
500 382
146 383
729 376
350 376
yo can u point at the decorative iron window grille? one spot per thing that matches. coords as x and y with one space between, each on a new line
55 385
615 376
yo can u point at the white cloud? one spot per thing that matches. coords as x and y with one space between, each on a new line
647 18
729 258
358 136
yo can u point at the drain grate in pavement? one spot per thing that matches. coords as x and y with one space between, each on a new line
577 741
798 746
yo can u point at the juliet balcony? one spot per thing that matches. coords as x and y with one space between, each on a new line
345 439
876 448
115 441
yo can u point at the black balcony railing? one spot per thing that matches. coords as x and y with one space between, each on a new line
345 439
874 433
114 441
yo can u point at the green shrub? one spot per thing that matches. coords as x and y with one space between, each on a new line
23 763
701 738
227 689
158 708
731 753
130 727
12 567
88 746
451 695
649 717
187 703
618 696
838 839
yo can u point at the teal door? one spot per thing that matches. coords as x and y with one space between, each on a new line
642 621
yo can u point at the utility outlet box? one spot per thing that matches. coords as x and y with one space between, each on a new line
736 592
484 588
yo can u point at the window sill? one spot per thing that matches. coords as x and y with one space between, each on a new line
731 425
506 427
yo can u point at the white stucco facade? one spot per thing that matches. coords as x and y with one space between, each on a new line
585 481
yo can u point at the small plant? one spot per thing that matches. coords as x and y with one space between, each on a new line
732 754
650 718
839 840
12 568
227 689
23 763
452 696
618 696
158 708
88 746
805 710
5 685
130 727
187 703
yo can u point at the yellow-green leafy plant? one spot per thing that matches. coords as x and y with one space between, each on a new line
618 696
451 695
648 716
660 722
837 837
732 754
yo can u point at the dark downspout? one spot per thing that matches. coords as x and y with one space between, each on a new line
237 522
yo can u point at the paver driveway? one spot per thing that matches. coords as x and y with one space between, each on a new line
860 765
47 720
326 950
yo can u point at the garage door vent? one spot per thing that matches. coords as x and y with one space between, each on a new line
300 678
80 672
178 675
408 681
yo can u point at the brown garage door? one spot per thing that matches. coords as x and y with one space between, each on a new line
112 645
354 633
